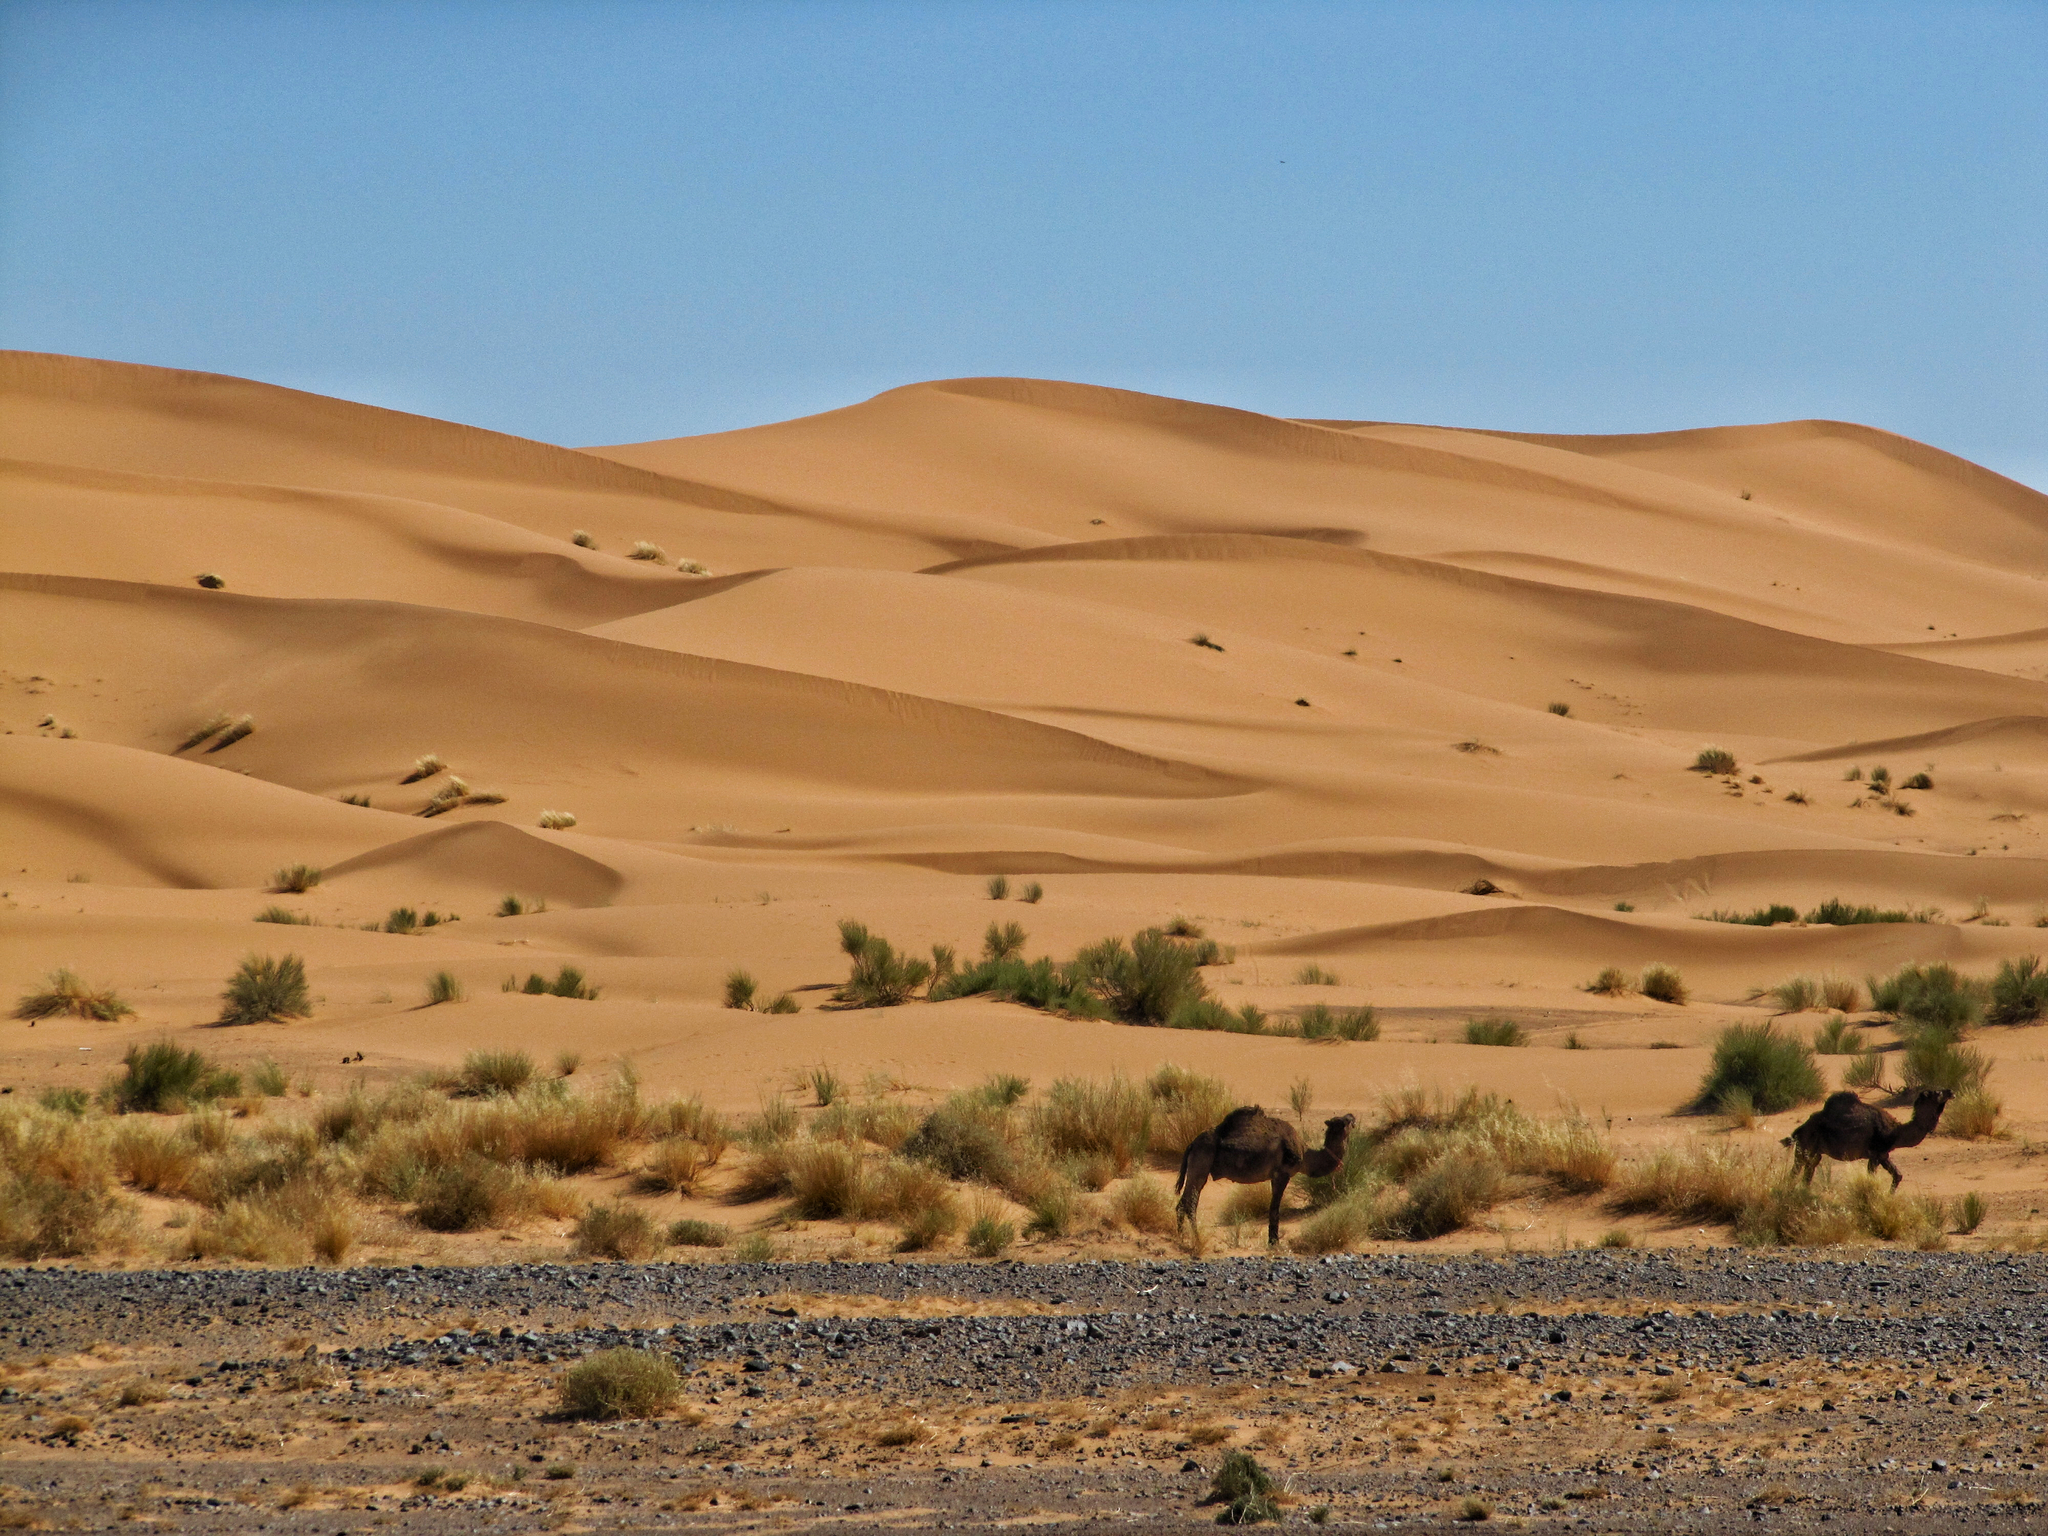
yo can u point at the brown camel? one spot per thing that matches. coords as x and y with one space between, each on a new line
1845 1128
1249 1146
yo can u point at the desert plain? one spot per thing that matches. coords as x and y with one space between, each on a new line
1411 733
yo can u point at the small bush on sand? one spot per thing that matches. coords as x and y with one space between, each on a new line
1612 982
277 914
1934 994
1865 1069
489 1074
643 549
1003 941
1081 1118
152 1158
1245 1489
880 977
1184 1104
583 539
468 1194
1146 982
1775 1070
295 878
1837 1037
1714 760
1840 994
782 1003
1054 1209
1761 917
1036 984
43 1216
65 1101
306 1217
617 1232
1313 975
1933 1059
1340 1227
690 1233
163 1078
401 920
1494 1031
444 987
966 1138
1319 1021
1663 984
64 994
989 1231
929 1225
1144 1205
1970 1212
206 732
556 821
239 727
2019 992
740 989
424 767
268 1079
263 989
998 887
1796 995
1446 1195
1972 1115
674 1166
621 1384
1033 892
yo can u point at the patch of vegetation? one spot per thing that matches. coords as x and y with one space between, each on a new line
1972 1115
740 989
206 732
266 988
1837 1037
1032 893
277 914
163 1078
1663 984
1003 941
1494 1030
1205 642
1934 1059
617 1232
1714 760
1797 994
621 1384
64 995
1762 917
296 879
998 887
1319 1021
494 1074
1775 1070
1313 975
1245 1489
2019 992
880 978
239 727
1612 982
690 1233
1838 913
1558 708
444 987
556 821
644 549
1934 994
1146 982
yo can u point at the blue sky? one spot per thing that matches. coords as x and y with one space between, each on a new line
598 222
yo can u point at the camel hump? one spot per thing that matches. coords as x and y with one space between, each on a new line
1841 1103
1239 1119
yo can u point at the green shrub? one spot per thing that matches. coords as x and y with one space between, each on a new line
880 978
617 1232
1494 1031
268 1079
2019 992
740 989
444 987
63 993
401 920
1319 1021
1663 984
621 1384
1776 1070
1245 1489
162 1078
1446 1195
1612 982
1918 781
45 1216
966 1137
1036 984
1798 994
929 1225
1841 914
825 1084
277 914
989 1236
65 1101
1762 917
1972 1115
471 1192
264 989
1081 1117
1970 1212
1560 708
1054 1209
1935 995
570 982
998 887
295 878
1865 1070
1032 893
1837 1037
1003 941
1933 1059
1146 982
1313 975
690 1233
1714 760
782 1003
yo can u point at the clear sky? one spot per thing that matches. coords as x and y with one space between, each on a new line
595 222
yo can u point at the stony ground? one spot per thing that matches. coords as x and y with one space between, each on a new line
1606 1390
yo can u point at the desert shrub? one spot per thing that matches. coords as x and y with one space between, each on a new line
740 989
966 1138
673 1166
1036 984
1714 760
206 732
1319 1021
1775 1070
161 1077
825 1084
64 994
512 906
1146 982
1840 994
1934 994
1245 1489
1612 982
1663 984
1054 1208
264 988
1080 1117
65 1101
295 878
1697 1181
1933 1059
1838 913
1494 1031
487 1074
1918 781
556 821
468 1194
304 1217
644 549
782 1003
1865 1070
998 887
1003 941
1144 1205
444 987
1761 917
1032 893
621 1384
1559 708
1446 1195
1617 1237
43 1217
277 914
617 1232
689 1233
826 1180
880 977
1837 1037
928 1224
1972 1115
570 982
1184 1104
2019 992
1796 995
153 1158
1313 975
401 920
1970 1212
989 1231
1340 1227
1207 1013
425 766
1738 1106
583 539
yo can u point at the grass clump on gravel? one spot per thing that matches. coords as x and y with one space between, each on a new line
621 1384
264 988
64 995
1245 1490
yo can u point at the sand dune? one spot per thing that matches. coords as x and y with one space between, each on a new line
1308 684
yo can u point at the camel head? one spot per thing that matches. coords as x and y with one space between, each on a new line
1928 1103
1337 1130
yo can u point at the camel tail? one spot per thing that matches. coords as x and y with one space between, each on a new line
1180 1180
1786 1142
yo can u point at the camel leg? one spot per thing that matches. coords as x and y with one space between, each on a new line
1273 1216
1196 1176
1885 1163
1806 1165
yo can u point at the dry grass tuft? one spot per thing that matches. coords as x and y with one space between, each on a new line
63 994
621 1384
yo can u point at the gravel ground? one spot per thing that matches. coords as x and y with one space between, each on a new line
1601 1390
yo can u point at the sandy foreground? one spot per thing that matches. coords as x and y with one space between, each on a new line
1415 707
